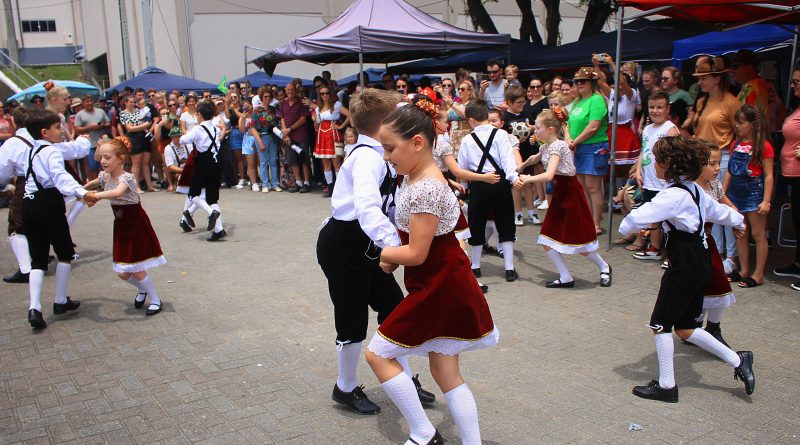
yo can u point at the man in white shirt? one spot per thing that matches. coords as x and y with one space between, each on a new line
493 88
487 149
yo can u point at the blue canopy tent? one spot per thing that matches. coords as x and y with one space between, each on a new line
158 79
76 89
260 78
376 74
471 60
759 37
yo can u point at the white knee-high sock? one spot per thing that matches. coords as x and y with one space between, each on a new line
348 356
140 291
715 314
19 245
74 211
63 272
404 363
404 396
218 224
709 343
465 412
328 177
200 201
187 204
35 281
561 266
475 256
150 287
665 349
508 254
598 261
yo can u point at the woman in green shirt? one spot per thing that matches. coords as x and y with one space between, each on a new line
588 137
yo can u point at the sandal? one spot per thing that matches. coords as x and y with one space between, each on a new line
635 247
734 276
748 282
621 241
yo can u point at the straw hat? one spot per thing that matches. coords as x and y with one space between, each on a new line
585 73
76 102
710 65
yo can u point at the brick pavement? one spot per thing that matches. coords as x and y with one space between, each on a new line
244 353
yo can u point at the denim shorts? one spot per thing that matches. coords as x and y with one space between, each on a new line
249 145
94 165
236 139
592 159
745 192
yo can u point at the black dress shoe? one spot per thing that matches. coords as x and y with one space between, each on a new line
605 278
476 272
484 288
356 400
435 440
424 396
62 308
150 312
305 189
293 189
745 371
138 304
555 284
185 226
654 391
16 277
716 331
212 220
188 217
511 275
216 236
36 320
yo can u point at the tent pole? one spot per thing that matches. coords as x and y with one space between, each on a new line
791 65
613 148
245 63
361 70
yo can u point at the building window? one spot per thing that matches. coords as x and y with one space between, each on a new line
38 26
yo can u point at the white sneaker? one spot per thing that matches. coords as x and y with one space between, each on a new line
537 202
264 189
543 205
648 255
277 189
518 221
534 219
255 188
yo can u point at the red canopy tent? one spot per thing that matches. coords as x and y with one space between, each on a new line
721 14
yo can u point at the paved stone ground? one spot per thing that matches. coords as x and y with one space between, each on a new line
244 349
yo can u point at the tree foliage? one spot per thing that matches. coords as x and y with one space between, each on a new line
597 15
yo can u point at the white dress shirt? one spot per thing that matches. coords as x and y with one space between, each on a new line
357 192
469 156
199 137
48 166
673 204
14 153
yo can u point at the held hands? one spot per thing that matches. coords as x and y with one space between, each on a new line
388 267
739 233
522 180
90 199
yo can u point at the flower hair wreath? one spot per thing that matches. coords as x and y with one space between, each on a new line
125 142
429 108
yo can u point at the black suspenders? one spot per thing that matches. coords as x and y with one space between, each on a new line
388 186
30 172
486 156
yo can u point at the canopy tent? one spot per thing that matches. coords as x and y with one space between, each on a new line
730 14
376 75
260 78
158 79
471 60
76 89
380 31
759 37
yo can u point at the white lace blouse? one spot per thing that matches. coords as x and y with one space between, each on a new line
427 196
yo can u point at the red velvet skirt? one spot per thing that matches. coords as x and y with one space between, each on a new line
327 137
568 226
445 310
185 179
136 246
628 145
718 286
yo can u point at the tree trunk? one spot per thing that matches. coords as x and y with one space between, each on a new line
480 17
553 21
596 17
528 32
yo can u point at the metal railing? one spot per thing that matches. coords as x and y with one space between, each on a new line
19 75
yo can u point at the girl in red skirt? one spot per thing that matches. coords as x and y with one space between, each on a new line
568 227
445 312
136 246
326 123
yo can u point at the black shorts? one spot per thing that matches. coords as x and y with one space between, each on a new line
355 281
484 197
46 225
139 144
294 158
206 176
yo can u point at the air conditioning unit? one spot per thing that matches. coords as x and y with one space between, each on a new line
69 39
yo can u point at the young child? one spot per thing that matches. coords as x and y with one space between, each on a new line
47 183
718 294
489 150
684 208
748 184
179 160
437 276
136 246
511 73
568 226
496 121
650 183
350 137
516 123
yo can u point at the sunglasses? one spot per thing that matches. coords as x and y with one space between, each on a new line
151 95
493 71
580 81
172 105
794 82
534 87
447 85
402 86
463 89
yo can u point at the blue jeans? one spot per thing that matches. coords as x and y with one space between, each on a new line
723 235
268 159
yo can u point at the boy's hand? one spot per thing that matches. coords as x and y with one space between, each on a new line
739 233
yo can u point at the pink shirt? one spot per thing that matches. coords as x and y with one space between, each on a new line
790 165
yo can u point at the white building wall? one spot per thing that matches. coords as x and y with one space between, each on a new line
60 11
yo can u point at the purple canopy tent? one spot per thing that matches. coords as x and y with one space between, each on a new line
380 31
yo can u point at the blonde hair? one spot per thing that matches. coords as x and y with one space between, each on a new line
370 107
554 119
54 92
352 131
558 96
512 69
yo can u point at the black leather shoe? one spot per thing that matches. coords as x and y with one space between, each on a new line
745 371
654 391
435 440
212 220
476 272
511 275
188 217
138 304
216 236
605 278
16 277
36 320
293 189
424 396
356 401
68 306
185 226
150 312
716 331
555 284
484 288
305 189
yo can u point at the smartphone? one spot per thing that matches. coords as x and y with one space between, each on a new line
485 77
602 58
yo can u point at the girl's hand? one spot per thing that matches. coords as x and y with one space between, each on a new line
388 267
457 185
519 183
491 178
261 146
763 208
739 234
